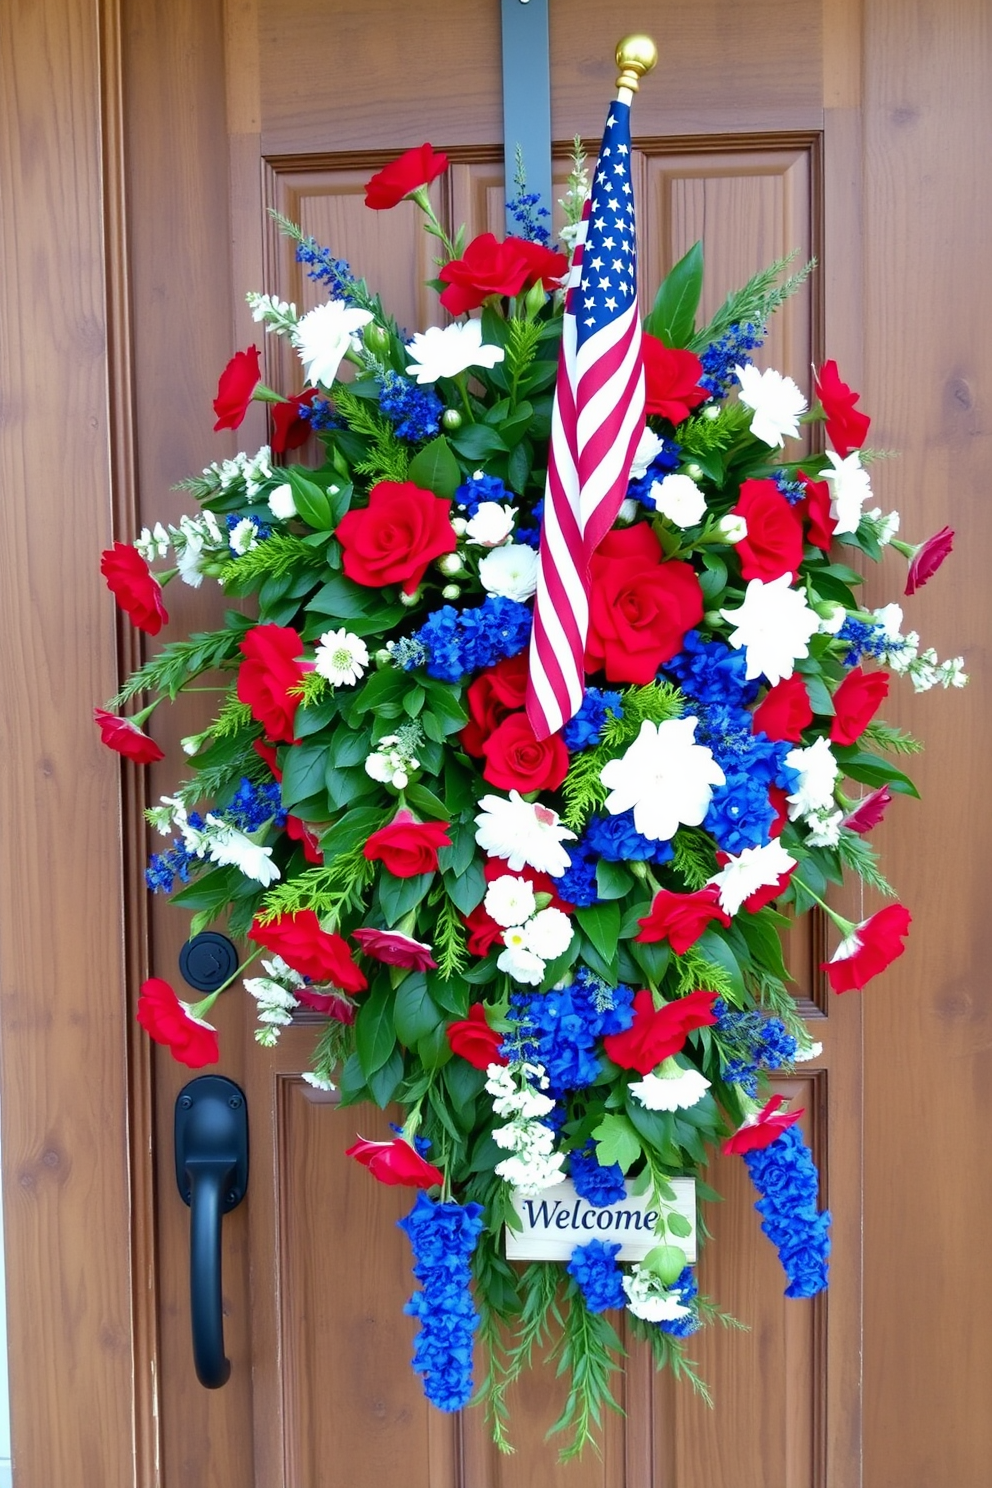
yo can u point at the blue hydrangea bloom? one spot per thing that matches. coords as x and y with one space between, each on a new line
686 1289
730 350
711 671
577 884
740 814
597 1184
562 1027
479 488
616 839
599 1278
414 412
443 1237
587 726
320 415
786 1178
457 642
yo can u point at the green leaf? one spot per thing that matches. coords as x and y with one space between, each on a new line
652 958
414 1014
612 879
601 923
382 1084
673 315
356 826
375 1035
343 600
304 772
433 1050
870 769
425 800
347 748
764 943
311 720
311 502
399 895
819 696
518 466
478 442
436 469
211 891
617 1142
468 889
715 948
678 1224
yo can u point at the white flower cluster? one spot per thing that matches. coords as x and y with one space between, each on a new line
255 470
275 995
216 840
275 314
153 544
391 762
883 526
678 498
813 797
517 1091
531 936
649 1298
904 656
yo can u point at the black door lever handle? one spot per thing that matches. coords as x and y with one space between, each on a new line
212 1175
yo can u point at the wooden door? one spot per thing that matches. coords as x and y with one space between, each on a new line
765 128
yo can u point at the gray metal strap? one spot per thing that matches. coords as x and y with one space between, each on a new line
527 97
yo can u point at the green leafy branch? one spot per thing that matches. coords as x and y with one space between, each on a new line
387 459
179 661
669 1352
759 299
858 855
588 1352
328 890
358 291
539 1284
693 970
234 717
449 940
332 1048
770 992
703 436
693 860
279 554
892 740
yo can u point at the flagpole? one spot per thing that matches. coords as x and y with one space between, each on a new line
636 55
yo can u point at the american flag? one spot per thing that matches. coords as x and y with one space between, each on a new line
597 423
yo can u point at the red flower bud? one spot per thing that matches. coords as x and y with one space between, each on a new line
856 701
238 381
928 558
127 738
395 1163
763 1129
869 811
657 1033
396 180
408 847
784 711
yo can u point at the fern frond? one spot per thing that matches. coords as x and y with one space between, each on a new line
279 554
759 298
387 457
328 890
179 661
892 740
693 857
449 941
858 855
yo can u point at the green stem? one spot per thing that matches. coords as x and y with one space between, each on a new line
847 926
461 382
201 1009
432 225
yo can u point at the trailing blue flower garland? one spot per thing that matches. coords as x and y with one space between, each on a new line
443 1237
785 1175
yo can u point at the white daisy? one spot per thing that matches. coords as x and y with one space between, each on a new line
341 657
548 934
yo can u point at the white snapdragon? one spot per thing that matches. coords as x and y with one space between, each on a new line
678 498
323 337
391 762
282 503
341 657
777 403
753 868
850 487
518 1093
448 352
491 525
510 572
275 994
152 544
665 777
525 833
190 539
774 625
648 1298
251 470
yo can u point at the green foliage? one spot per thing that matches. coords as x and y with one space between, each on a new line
669 1353
694 971
179 662
583 791
335 1044
705 436
694 860
235 717
279 554
588 1354
857 853
358 290
759 298
539 1315
450 949
770 992
387 458
673 315
893 740
329 890
313 689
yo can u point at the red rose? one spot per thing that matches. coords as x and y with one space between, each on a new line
493 695
170 1022
289 429
396 180
784 712
472 1039
483 931
869 949
517 760
869 811
774 542
815 509
640 607
392 540
768 893
846 427
763 1129
928 558
395 1162
681 918
671 379
298 831
270 676
856 701
489 267
313 952
134 586
395 949
127 738
657 1033
407 847
238 381
332 1004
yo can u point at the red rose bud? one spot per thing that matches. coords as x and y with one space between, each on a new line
407 847
127 738
856 701
928 558
640 607
298 831
395 1163
332 1004
313 952
472 1039
657 1033
869 949
134 586
847 429
774 542
784 711
170 1022
517 760
815 509
489 267
238 381
414 168
270 677
483 931
671 379
395 537
869 811
289 430
681 918
493 694
395 949
763 1129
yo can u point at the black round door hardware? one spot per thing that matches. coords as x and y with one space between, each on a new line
207 961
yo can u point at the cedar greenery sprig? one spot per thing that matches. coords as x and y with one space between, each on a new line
282 553
583 791
755 302
328 890
387 458
180 661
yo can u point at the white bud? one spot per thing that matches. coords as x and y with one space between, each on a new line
450 564
731 528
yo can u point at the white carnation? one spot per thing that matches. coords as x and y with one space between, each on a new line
677 1091
818 772
648 449
665 777
850 487
324 335
521 964
754 868
647 1297
524 833
510 572
491 525
548 934
678 498
510 900
445 353
777 404
774 625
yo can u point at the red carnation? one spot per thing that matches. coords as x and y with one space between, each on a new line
392 540
238 381
517 760
289 429
856 701
298 831
815 508
768 893
472 1039
170 1022
928 558
270 677
640 607
395 1162
774 542
785 711
681 918
869 949
489 267
395 949
134 586
396 180
408 847
671 379
869 811
313 952
657 1033
332 1004
127 738
483 931
846 427
762 1129
493 695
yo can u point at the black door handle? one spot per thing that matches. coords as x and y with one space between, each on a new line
212 1174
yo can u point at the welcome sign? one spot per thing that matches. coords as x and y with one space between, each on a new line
557 1220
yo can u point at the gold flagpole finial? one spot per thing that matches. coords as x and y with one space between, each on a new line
636 55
